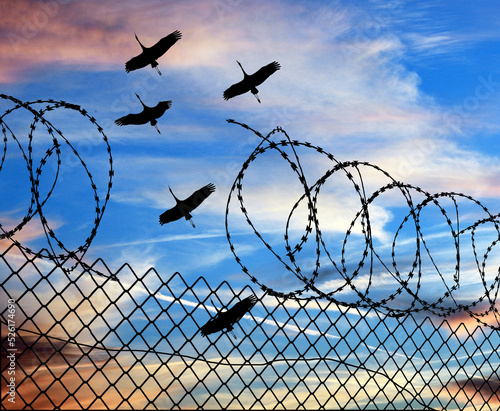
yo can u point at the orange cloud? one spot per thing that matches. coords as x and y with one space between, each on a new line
478 391
97 35
464 325
30 232
44 33
49 34
64 375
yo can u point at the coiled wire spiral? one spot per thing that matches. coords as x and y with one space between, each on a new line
444 306
57 251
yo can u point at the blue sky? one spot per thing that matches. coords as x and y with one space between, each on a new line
412 87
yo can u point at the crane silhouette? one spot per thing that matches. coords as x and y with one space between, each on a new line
183 208
148 114
149 55
251 81
227 319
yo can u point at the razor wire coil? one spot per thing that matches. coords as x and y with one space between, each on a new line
57 251
352 171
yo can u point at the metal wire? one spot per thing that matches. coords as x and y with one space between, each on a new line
35 173
86 341
136 344
443 306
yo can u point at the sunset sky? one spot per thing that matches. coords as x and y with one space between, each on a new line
411 87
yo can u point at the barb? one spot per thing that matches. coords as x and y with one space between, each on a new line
57 251
409 283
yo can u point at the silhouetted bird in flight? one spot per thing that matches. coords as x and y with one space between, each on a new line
250 82
184 208
227 319
149 55
148 114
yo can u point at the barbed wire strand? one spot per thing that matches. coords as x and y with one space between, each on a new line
35 174
311 194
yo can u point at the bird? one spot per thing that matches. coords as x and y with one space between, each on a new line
250 82
227 319
147 114
149 55
183 208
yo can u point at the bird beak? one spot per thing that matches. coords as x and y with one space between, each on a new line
257 97
158 70
191 221
157 129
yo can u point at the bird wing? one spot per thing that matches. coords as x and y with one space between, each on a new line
160 108
213 325
236 89
227 319
264 72
195 199
137 62
138 118
160 48
241 308
173 214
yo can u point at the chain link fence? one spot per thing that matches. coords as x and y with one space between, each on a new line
80 341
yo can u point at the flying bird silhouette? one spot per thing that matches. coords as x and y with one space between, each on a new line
148 114
227 319
183 208
149 55
250 82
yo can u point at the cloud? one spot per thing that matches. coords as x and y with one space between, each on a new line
48 34
168 238
477 390
31 236
36 349
337 86
270 191
34 32
464 325
74 370
29 232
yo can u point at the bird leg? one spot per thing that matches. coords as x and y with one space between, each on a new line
154 64
230 328
254 92
154 124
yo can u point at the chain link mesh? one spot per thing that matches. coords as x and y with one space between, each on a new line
90 342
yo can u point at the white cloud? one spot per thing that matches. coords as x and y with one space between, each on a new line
341 86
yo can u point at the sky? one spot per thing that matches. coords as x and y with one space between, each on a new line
412 88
